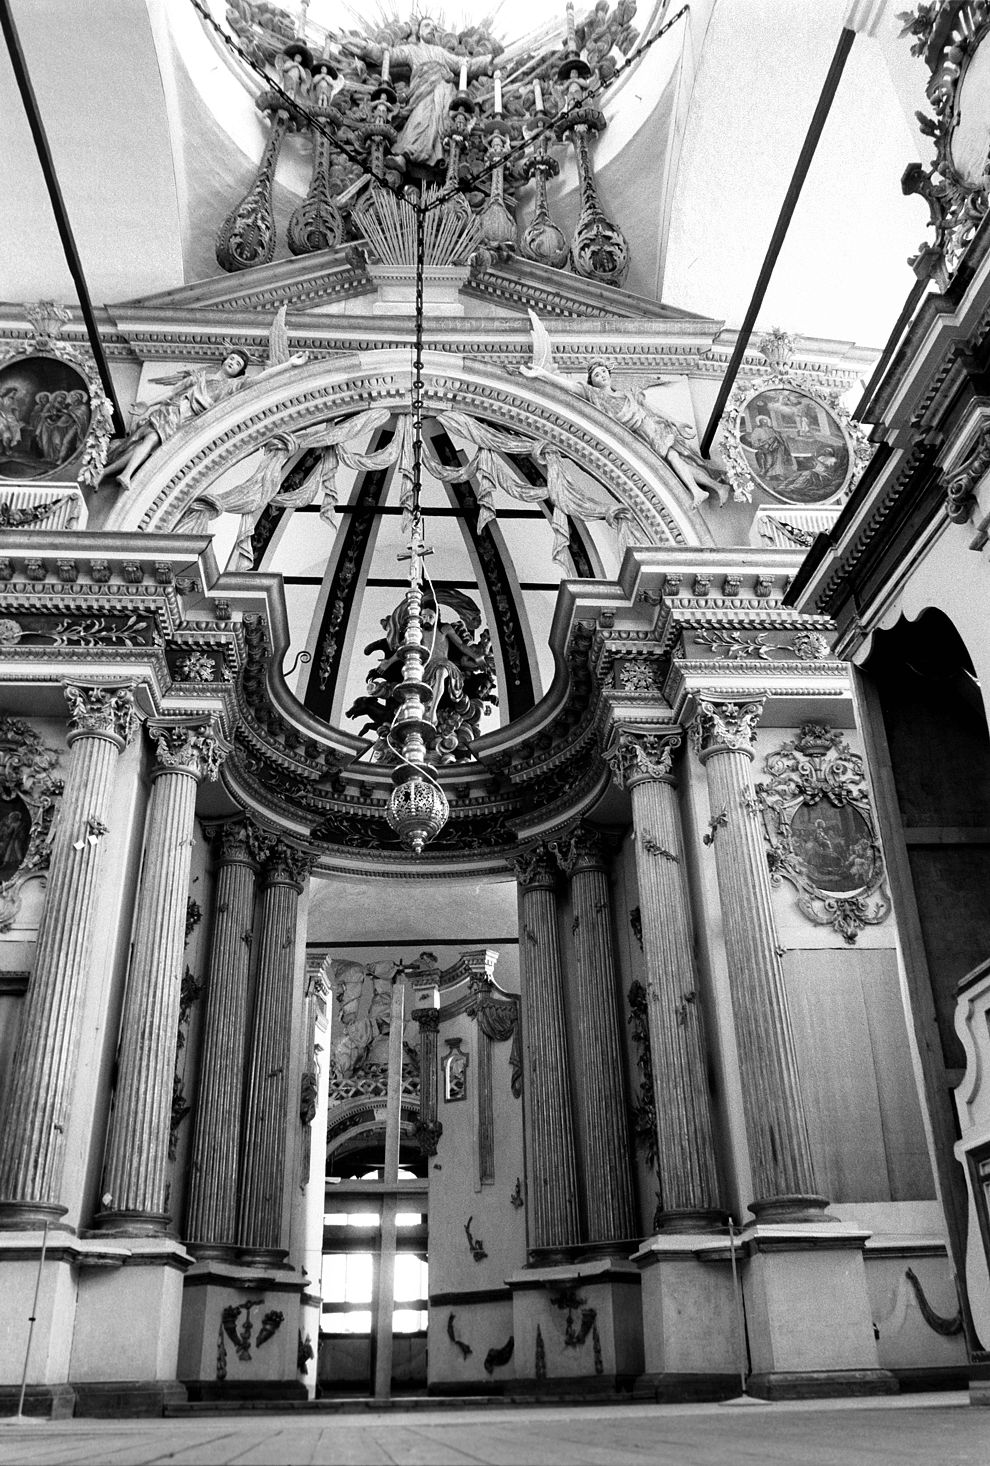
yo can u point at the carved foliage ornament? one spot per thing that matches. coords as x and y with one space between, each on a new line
100 711
635 757
187 748
28 791
726 727
790 442
55 420
821 833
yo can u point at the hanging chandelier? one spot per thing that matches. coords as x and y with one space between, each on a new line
417 808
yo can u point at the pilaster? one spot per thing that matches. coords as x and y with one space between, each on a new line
135 1174
260 1227
606 1169
40 1082
211 1219
783 1176
689 1184
553 1219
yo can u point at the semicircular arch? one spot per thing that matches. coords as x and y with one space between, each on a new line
188 464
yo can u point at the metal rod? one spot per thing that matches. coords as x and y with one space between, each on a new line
893 341
825 101
31 1320
58 208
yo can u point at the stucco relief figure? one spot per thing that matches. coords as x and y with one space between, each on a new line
363 997
628 405
434 74
194 392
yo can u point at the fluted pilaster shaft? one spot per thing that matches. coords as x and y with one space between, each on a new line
780 1154
263 1157
211 1219
549 1131
39 1086
606 1169
135 1172
689 1189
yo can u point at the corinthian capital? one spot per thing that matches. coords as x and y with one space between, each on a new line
726 727
187 748
100 712
535 867
581 848
238 842
635 758
285 865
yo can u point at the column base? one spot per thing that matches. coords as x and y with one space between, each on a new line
821 1384
131 1224
263 1257
671 1388
51 1341
577 1322
128 1399
808 1313
250 1389
47 1402
690 1221
212 1251
27 1216
691 1316
239 1331
785 1209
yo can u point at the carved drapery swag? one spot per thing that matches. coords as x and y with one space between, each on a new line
820 831
498 1020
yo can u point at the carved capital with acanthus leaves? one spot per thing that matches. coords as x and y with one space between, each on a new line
285 865
535 868
726 727
191 748
581 848
637 758
100 712
427 1018
238 842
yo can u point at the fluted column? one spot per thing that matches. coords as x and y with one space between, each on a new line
549 1129
135 1171
263 1156
606 1169
428 1128
40 1080
211 1217
689 1190
780 1154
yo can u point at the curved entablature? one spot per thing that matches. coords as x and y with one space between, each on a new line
186 467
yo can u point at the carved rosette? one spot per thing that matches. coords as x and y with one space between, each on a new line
100 712
535 868
186 748
726 727
635 758
284 865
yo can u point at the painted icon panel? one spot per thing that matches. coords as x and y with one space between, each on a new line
45 416
794 447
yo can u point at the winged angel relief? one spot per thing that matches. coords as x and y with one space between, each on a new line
668 439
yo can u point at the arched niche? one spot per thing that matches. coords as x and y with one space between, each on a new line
321 391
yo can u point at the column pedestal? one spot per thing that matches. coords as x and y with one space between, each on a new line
577 1328
262 1362
693 1345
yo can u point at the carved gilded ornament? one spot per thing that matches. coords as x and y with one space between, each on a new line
239 842
726 727
784 439
187 748
55 420
635 758
100 712
579 849
28 791
820 831
960 485
285 865
535 867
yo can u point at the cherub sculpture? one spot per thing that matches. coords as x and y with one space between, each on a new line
195 391
459 670
627 405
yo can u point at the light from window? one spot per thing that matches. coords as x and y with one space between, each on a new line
408 1219
411 1277
358 1321
409 1320
347 1277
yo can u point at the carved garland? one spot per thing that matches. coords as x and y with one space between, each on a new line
28 791
821 833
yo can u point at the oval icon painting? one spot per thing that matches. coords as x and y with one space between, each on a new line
44 417
15 836
794 447
833 847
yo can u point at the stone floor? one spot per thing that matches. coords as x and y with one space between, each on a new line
915 1430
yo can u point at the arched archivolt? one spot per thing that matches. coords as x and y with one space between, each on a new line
301 398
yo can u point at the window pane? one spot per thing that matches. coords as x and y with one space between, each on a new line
334 1273
410 1277
335 1219
409 1320
360 1271
408 1218
363 1219
358 1322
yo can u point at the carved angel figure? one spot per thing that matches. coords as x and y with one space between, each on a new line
194 392
668 439
432 85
